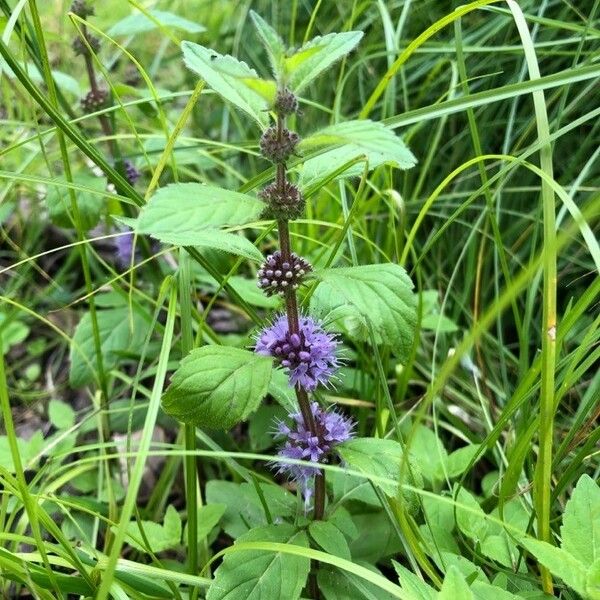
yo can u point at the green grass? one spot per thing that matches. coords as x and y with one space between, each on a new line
499 103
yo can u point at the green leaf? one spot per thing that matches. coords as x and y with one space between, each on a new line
377 295
374 141
257 574
338 584
365 137
415 587
470 518
580 529
458 461
233 80
428 451
260 429
271 41
90 204
251 293
140 23
559 562
119 330
177 213
329 538
381 458
592 583
160 537
317 55
454 586
232 243
12 332
432 319
209 516
217 386
61 415
487 591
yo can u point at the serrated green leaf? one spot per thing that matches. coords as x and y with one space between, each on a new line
559 562
371 295
140 23
178 212
580 529
487 591
90 204
317 55
217 386
329 538
61 415
364 137
454 586
233 80
119 330
271 41
371 140
232 243
209 516
257 574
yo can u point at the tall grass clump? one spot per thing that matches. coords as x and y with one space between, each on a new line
299 300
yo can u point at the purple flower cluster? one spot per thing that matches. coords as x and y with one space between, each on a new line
331 428
309 356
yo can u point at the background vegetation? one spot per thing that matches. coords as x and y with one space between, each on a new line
497 225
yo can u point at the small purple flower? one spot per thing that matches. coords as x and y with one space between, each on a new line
309 356
124 248
332 428
131 173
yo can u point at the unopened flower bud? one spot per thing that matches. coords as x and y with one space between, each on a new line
80 47
286 202
278 150
285 103
94 100
82 8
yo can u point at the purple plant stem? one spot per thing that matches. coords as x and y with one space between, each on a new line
291 307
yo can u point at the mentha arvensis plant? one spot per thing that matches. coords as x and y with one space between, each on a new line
325 313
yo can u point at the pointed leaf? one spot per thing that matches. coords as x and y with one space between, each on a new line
317 55
580 530
271 41
232 79
217 386
454 586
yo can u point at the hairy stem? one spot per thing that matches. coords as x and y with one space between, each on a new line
291 309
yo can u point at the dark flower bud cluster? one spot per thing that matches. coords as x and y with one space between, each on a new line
94 100
278 146
80 48
285 103
277 274
82 8
284 201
